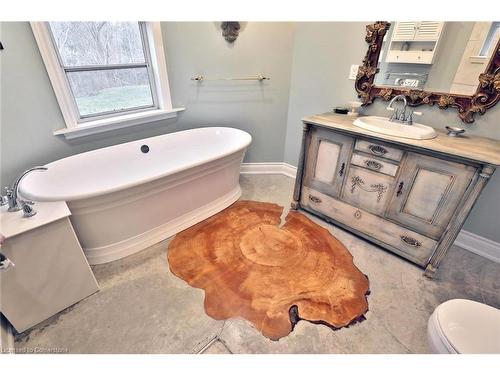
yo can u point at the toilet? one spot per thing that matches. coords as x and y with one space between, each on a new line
463 326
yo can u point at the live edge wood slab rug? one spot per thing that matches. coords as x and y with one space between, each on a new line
249 267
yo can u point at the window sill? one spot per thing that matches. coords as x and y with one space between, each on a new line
478 59
118 122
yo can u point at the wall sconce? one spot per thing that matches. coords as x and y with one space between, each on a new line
230 31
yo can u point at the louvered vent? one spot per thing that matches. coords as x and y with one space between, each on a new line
404 31
428 30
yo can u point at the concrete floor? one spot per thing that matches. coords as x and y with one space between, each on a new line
143 308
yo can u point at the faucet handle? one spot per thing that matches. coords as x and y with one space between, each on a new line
390 109
417 113
28 211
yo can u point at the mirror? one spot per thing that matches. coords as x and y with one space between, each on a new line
448 64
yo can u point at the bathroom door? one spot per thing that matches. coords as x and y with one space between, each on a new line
427 193
327 161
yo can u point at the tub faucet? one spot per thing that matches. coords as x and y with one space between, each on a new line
12 198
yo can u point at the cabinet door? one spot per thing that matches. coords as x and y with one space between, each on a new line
428 30
404 31
327 161
427 193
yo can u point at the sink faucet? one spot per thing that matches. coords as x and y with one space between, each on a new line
12 197
399 116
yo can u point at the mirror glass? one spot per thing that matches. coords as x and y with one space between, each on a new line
437 56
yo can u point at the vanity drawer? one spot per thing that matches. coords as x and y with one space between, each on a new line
374 164
410 57
407 243
376 149
367 190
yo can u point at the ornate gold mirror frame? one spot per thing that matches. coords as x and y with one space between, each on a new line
486 96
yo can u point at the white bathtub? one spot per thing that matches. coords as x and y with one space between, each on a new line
123 200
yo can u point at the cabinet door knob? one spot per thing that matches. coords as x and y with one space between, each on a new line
341 171
400 189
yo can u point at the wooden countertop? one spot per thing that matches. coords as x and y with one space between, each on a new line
472 148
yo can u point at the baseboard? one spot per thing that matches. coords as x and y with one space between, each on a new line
269 168
472 242
479 245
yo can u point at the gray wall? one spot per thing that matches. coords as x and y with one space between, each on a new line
322 56
29 110
260 108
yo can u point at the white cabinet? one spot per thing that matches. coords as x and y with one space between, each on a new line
50 273
421 31
414 42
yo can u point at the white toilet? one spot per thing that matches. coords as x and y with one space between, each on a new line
464 326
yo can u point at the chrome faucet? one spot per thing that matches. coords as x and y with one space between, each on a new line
12 196
399 116
402 116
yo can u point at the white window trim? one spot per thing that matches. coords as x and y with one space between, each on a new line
64 96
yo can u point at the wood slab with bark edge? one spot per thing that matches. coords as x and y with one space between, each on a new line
249 267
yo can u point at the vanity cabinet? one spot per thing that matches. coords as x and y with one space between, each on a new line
408 196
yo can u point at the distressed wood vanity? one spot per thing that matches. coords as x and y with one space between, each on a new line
408 196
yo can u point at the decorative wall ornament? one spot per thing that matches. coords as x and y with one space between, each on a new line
485 97
230 31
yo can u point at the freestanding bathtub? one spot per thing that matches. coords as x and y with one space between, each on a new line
127 197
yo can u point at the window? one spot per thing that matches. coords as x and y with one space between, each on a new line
491 39
106 64
105 74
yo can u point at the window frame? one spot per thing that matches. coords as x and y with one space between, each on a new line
77 125
489 40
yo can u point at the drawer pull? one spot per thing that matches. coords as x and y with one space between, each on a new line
314 199
410 241
357 214
377 150
372 164
400 189
341 171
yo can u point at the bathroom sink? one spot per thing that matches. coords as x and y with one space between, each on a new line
384 126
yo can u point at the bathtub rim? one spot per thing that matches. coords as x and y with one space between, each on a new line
92 194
